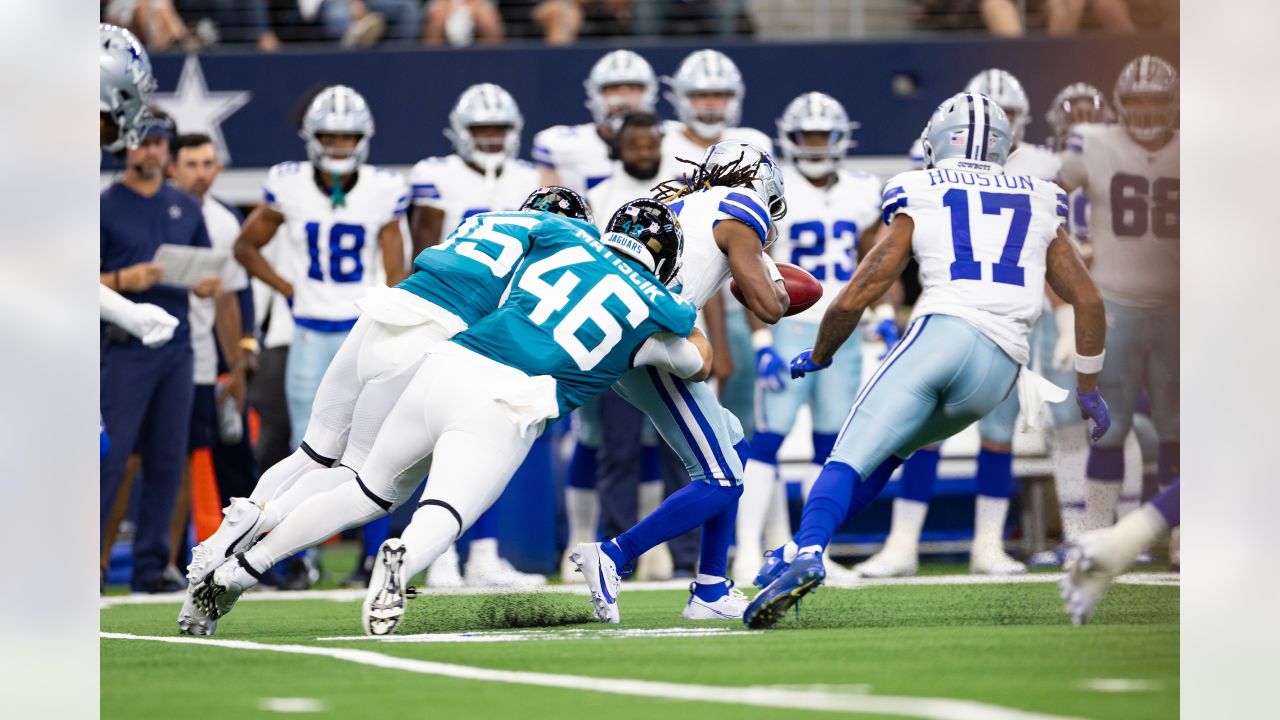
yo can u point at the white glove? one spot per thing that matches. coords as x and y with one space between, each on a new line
149 323
1064 352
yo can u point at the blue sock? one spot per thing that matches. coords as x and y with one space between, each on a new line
1169 470
743 448
995 473
582 467
828 504
823 444
1106 464
650 463
764 446
1169 503
919 473
486 526
717 535
376 533
686 509
870 489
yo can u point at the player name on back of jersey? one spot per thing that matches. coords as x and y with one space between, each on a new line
940 176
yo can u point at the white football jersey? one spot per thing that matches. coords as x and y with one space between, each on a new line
981 241
1034 160
1133 212
606 197
576 152
705 266
675 144
224 228
451 185
822 228
338 247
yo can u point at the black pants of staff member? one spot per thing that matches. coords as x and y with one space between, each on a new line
267 393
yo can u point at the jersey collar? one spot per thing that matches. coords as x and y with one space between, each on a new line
979 166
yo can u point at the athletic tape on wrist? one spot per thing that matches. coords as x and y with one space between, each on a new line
1090 365
761 338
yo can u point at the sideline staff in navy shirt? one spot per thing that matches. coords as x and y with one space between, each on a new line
146 394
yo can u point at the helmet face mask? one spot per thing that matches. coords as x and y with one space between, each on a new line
125 84
560 201
711 75
619 82
1146 98
485 108
815 133
648 232
336 117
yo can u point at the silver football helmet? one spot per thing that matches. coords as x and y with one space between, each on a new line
706 71
815 112
485 104
768 179
968 126
337 110
620 67
1147 79
125 84
1002 87
1074 104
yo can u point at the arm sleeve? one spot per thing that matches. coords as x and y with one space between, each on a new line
746 207
424 185
670 352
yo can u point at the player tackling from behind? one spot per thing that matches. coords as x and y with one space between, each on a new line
986 242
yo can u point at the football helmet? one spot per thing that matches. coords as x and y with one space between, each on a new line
648 232
125 84
1074 104
485 104
558 201
1002 87
1147 78
968 126
706 71
337 110
815 112
620 67
767 181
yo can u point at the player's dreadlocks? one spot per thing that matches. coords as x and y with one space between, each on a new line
733 174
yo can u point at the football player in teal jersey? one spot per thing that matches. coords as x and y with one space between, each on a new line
583 310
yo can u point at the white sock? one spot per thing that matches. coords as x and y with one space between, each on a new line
582 506
989 514
314 521
758 481
1101 498
280 477
904 529
1070 453
307 486
484 551
648 497
777 524
429 535
1131 489
709 579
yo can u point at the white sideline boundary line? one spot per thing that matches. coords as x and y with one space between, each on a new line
758 696
348 595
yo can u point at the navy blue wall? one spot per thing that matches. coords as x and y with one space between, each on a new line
411 91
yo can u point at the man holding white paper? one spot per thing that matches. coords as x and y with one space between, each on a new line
146 393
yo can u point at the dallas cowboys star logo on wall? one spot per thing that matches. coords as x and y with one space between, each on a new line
196 109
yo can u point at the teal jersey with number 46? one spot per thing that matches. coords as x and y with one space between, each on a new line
468 272
577 312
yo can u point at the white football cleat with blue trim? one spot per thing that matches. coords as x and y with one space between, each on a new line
602 579
721 601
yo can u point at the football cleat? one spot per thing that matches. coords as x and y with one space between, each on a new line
994 561
499 573
602 579
241 521
804 574
219 593
721 601
568 571
776 563
384 601
444 572
889 563
192 620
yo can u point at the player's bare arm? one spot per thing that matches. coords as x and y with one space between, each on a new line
1069 278
258 230
138 277
425 227
391 243
761 295
713 314
227 327
875 274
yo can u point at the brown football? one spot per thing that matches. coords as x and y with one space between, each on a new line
804 288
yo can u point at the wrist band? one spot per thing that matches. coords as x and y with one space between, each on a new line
761 338
250 344
1090 365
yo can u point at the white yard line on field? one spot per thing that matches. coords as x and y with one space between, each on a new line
630 587
492 636
914 707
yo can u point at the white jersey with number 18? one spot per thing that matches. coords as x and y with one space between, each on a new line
981 241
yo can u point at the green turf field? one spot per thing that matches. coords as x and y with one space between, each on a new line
980 650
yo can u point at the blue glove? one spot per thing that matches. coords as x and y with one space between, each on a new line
888 332
1093 407
803 363
770 368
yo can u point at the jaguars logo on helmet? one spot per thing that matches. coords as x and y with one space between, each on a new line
559 201
647 231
